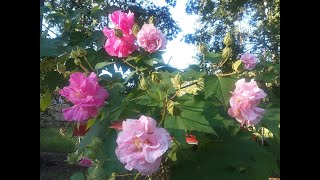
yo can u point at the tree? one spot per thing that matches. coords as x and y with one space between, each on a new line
219 17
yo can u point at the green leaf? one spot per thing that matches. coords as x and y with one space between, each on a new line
220 87
47 47
45 101
190 119
213 57
233 158
78 176
102 64
193 73
271 120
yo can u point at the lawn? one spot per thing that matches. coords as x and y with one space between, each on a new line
57 140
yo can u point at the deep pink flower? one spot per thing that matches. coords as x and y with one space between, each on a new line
150 38
249 61
121 40
123 21
119 46
246 97
86 95
141 145
85 162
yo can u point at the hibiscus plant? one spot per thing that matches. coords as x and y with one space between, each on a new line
158 122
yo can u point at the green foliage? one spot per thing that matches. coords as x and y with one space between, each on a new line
233 158
219 87
78 176
45 101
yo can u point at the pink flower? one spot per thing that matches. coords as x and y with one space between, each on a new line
249 60
150 38
119 46
85 162
123 21
121 40
246 97
86 95
141 145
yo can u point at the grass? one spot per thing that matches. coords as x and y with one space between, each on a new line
54 140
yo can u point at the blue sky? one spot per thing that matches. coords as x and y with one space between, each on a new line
181 54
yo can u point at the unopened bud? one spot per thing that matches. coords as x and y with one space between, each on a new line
74 54
228 40
152 20
135 29
227 53
202 48
77 61
82 52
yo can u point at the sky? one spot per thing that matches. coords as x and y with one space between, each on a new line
181 53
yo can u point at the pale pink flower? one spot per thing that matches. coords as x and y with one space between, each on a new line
249 61
123 21
86 95
150 38
85 162
141 145
246 97
119 46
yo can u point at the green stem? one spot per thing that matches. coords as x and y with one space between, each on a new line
88 63
228 74
164 113
131 65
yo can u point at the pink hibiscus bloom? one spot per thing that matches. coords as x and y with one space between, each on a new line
150 38
121 40
119 46
246 97
123 21
86 95
85 162
249 61
141 145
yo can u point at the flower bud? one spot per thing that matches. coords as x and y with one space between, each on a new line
74 54
77 61
82 52
228 40
135 29
202 48
227 53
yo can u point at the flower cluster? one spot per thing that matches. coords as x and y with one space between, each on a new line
121 40
249 61
246 97
141 144
86 95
